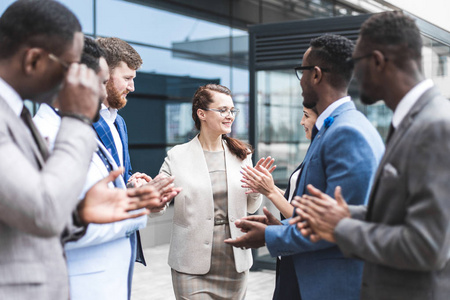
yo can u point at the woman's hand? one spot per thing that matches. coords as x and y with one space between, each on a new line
259 180
266 163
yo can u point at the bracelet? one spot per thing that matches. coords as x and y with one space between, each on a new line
80 117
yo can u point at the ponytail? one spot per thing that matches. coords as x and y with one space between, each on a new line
237 147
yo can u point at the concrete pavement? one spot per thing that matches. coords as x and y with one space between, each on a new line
154 282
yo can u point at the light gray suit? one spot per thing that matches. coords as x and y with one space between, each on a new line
37 199
405 238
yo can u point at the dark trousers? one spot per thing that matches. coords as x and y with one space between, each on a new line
286 286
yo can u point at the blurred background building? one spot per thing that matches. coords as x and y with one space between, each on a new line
251 46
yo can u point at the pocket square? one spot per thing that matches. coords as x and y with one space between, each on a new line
389 171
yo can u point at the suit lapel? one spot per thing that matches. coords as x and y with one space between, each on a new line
105 135
395 140
120 125
118 182
233 171
316 144
198 163
21 134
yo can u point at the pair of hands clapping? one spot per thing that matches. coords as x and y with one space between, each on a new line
259 179
103 204
162 184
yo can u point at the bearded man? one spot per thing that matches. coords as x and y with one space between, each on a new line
123 61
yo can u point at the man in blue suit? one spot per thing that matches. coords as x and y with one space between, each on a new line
123 61
345 151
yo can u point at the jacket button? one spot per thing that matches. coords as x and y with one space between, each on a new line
232 219
206 243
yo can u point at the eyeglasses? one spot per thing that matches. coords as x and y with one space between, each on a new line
225 112
299 70
59 60
353 60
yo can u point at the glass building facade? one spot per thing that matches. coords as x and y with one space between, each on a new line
185 44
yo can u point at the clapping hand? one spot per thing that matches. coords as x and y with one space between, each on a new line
138 179
267 219
259 179
254 228
103 204
164 185
321 212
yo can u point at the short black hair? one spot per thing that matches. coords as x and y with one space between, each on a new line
332 52
393 28
44 24
91 54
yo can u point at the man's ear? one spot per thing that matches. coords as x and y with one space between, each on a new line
318 75
33 60
379 59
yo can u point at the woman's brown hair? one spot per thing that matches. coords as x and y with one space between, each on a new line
201 100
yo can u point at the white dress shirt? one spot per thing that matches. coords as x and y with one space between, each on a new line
98 263
408 101
327 112
48 123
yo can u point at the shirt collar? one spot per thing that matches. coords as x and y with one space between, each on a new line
329 110
408 101
108 113
11 97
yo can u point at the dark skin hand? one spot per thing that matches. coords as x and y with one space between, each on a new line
254 228
162 184
103 204
321 212
267 219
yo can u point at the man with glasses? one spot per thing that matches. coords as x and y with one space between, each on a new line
403 235
40 49
345 150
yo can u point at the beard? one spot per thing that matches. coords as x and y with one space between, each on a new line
116 99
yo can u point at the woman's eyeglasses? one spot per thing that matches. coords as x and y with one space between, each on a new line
225 112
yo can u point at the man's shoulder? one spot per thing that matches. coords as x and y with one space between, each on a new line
351 121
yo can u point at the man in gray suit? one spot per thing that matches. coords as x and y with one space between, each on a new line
40 47
404 234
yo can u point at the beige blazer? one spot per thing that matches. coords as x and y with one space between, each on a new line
193 221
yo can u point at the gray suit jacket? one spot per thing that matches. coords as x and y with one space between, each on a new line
36 203
404 234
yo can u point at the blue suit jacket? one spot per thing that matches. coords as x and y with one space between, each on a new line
346 154
105 135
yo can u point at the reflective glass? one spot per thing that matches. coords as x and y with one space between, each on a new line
436 64
279 115
149 25
83 9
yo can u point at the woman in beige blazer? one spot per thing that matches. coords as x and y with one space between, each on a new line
208 170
